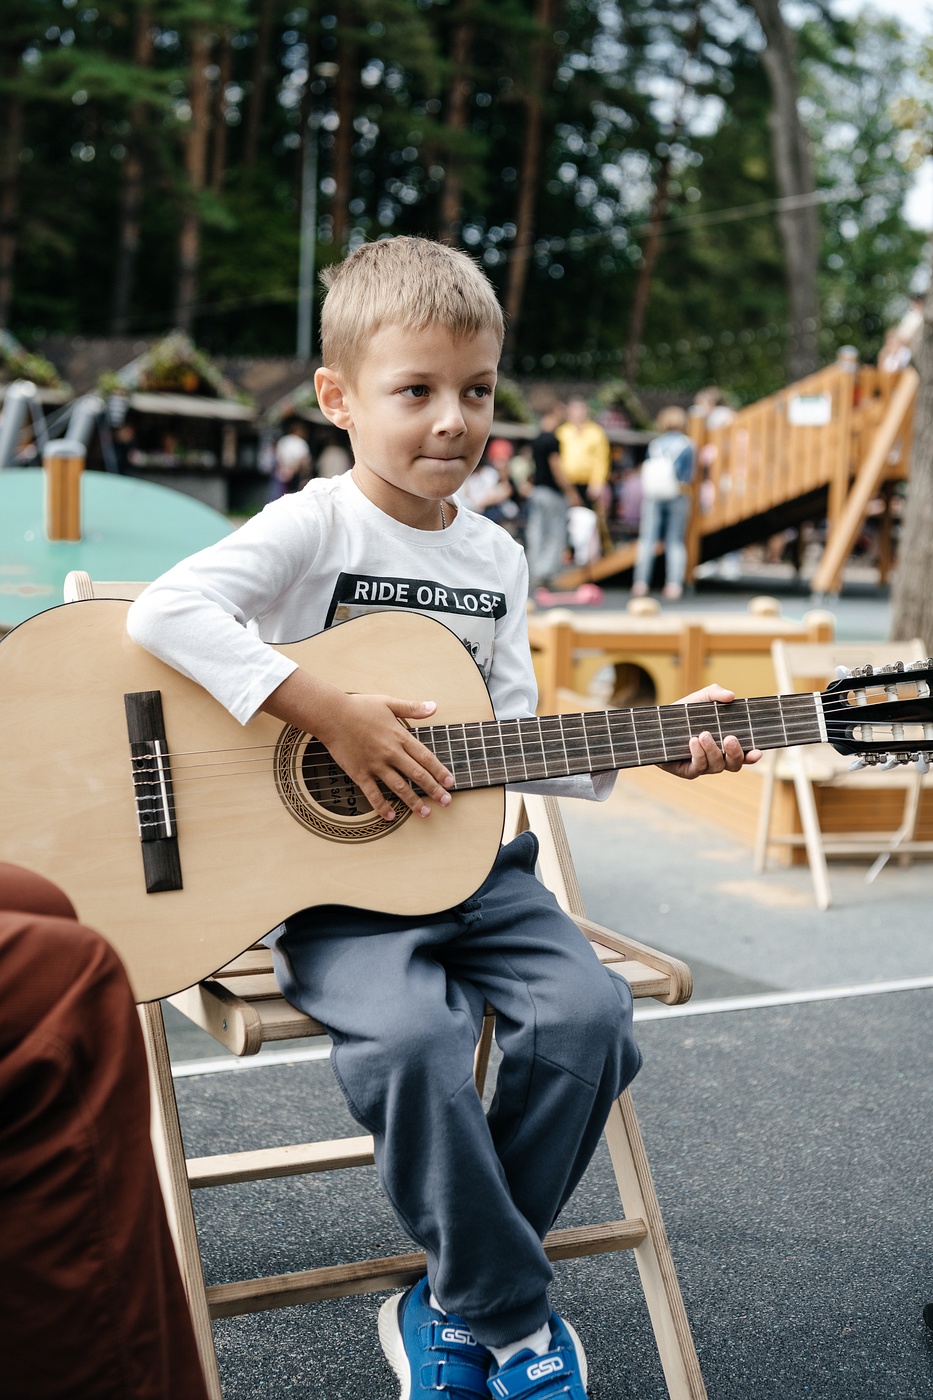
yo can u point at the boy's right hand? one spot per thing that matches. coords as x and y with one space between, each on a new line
366 736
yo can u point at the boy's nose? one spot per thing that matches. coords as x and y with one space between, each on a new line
450 421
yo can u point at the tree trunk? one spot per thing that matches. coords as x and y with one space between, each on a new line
912 596
458 115
189 240
11 141
529 177
649 259
219 151
345 99
131 190
793 168
257 96
659 207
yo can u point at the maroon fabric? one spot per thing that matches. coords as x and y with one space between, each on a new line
91 1300
24 892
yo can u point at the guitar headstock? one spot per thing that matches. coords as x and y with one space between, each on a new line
883 716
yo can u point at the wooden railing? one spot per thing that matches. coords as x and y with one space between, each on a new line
762 459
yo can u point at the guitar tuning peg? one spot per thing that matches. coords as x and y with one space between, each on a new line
858 763
888 763
898 666
922 763
918 665
843 673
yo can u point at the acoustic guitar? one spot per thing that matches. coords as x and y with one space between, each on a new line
184 836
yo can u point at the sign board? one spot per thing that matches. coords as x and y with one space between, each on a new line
809 410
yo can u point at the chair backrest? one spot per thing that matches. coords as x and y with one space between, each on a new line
801 666
79 586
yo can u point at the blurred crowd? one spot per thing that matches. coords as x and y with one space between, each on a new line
566 493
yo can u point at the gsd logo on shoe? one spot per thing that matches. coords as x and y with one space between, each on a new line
547 1366
458 1334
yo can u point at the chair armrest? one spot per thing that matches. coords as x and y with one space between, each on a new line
681 978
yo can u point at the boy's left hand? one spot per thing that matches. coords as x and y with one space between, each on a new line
705 754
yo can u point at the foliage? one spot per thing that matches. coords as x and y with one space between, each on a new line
627 89
173 365
618 394
18 363
510 403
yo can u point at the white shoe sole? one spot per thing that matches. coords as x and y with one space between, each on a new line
390 1339
581 1354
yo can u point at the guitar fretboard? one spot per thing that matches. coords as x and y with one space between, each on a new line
493 752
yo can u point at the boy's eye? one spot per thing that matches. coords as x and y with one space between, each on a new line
417 391
482 391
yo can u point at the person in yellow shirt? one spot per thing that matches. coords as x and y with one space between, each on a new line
584 460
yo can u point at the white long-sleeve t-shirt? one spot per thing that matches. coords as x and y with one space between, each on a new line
321 556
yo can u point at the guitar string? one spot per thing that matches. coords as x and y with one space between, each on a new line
790 732
498 774
858 713
469 747
467 742
494 778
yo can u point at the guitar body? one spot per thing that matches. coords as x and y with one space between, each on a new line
248 856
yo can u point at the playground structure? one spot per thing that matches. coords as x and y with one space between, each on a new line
58 518
654 657
820 449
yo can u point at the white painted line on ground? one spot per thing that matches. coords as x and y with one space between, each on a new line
798 998
187 1069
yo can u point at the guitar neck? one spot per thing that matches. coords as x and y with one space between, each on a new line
494 752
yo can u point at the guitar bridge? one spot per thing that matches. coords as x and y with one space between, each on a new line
152 785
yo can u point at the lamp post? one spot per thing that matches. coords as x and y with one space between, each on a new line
308 224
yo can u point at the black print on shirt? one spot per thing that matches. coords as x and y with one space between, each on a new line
367 591
470 613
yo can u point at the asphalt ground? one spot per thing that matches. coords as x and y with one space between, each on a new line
790 1148
789 1142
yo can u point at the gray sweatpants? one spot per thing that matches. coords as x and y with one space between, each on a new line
404 1003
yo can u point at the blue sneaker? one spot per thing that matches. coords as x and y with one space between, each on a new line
431 1352
561 1372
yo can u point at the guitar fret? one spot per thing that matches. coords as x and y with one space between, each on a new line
603 718
491 753
619 721
675 720
648 741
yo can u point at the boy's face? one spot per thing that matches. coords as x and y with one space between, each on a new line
418 410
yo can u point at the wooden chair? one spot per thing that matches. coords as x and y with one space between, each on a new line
243 1009
800 667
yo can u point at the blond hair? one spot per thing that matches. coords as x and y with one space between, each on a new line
408 282
672 420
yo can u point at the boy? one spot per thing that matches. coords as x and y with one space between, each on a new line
411 335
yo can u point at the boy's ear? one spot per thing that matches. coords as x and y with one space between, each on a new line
330 388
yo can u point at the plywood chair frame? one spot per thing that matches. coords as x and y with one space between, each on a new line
242 1008
802 666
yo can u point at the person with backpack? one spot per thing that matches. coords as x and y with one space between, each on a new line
666 475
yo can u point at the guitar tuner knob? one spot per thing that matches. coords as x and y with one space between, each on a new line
921 762
890 761
858 763
898 666
843 673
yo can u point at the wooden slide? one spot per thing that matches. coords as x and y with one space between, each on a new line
822 448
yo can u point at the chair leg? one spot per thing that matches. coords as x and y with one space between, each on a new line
813 839
169 1155
764 821
653 1256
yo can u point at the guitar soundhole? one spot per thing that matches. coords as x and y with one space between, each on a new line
320 795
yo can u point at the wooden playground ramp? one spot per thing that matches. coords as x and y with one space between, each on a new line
822 448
